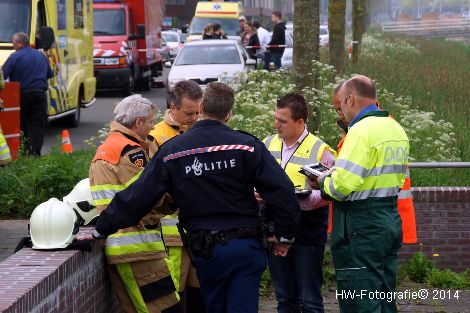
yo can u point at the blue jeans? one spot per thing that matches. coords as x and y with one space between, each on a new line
297 279
272 56
230 279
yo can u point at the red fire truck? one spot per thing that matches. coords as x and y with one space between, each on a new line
127 43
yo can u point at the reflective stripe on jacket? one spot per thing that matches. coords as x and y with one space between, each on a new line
5 156
308 152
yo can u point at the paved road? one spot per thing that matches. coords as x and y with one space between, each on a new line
94 118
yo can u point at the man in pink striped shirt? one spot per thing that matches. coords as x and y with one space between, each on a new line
298 277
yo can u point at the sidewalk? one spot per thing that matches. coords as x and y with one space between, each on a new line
11 232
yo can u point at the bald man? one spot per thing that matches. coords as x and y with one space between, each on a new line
364 187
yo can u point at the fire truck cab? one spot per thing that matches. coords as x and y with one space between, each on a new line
127 43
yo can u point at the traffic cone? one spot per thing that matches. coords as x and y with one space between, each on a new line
66 143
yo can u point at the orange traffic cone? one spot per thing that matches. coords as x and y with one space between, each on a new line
66 143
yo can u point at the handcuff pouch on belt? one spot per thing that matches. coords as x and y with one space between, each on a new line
198 243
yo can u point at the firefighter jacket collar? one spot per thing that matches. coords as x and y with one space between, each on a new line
170 121
129 133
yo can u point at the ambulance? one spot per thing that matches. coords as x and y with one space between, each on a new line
63 31
226 13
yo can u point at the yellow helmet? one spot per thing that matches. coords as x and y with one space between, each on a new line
53 225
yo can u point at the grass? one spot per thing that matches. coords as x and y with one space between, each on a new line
437 79
29 181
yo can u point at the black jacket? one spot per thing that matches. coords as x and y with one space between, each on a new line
279 37
253 41
210 172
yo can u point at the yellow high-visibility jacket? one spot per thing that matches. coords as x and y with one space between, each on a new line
372 162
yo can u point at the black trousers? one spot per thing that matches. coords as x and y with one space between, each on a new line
33 116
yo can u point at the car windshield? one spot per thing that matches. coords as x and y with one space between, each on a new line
170 37
323 31
15 17
202 54
229 26
109 22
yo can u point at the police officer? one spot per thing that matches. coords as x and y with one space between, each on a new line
210 171
135 255
364 186
31 69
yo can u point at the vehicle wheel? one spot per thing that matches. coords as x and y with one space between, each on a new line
146 83
73 120
128 89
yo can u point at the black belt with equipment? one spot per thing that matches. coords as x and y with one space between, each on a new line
200 243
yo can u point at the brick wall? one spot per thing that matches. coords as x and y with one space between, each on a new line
56 281
74 281
443 226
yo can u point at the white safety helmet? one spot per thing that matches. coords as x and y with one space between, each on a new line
81 201
53 225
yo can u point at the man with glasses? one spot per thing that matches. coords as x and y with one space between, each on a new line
364 187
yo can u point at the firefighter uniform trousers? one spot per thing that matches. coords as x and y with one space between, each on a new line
144 285
184 274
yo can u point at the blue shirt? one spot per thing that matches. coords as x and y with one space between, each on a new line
29 67
370 108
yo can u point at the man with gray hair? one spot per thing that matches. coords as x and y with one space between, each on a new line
135 255
31 69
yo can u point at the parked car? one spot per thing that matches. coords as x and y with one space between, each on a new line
174 43
206 61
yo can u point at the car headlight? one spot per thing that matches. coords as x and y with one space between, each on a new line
111 61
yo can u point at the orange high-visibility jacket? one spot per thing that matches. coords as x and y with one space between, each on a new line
406 208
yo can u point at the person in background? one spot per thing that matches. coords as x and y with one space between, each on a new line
252 41
31 69
241 24
218 32
208 31
263 36
279 38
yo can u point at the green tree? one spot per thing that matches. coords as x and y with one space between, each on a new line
336 27
359 19
306 49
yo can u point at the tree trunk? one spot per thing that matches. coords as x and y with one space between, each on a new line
306 49
336 27
359 14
